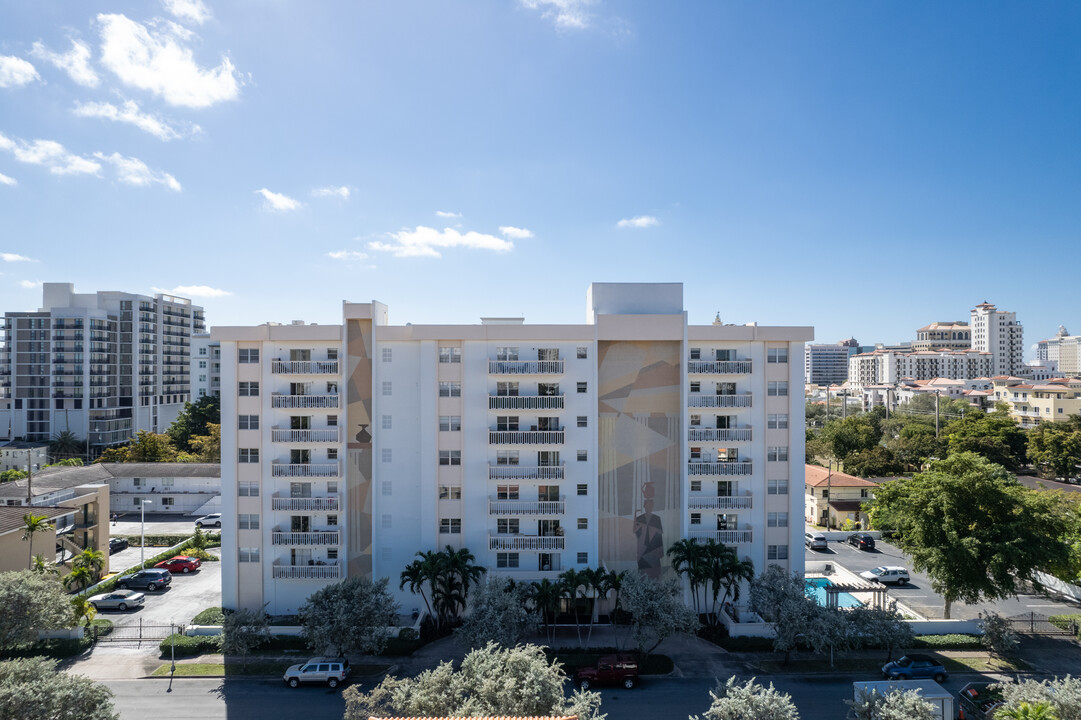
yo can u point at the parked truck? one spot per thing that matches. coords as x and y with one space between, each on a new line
929 690
978 701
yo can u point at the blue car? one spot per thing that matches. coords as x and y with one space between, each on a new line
912 667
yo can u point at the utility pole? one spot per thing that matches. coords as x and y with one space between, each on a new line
844 403
29 475
937 396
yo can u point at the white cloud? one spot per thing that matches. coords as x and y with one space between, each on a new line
14 257
277 201
349 255
30 284
423 241
156 60
134 171
342 192
16 72
75 62
639 221
194 291
192 10
447 215
6 143
129 113
509 231
5 180
53 155
565 14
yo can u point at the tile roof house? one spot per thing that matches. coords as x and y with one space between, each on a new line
832 497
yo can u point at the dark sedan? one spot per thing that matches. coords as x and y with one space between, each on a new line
863 541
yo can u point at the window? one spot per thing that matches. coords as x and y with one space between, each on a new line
248 389
507 526
450 389
506 457
202 364
450 457
166 501
137 501
388 387
450 355
332 553
777 421
506 353
696 454
778 388
583 489
332 387
139 482
388 488
506 492
450 492
247 522
583 456
696 353
777 355
777 487
696 420
388 354
696 518
583 558
548 354
332 453
248 422
450 423
583 523
508 388
332 353
777 552
863 493
583 421
548 389
332 421
388 455
247 355
248 455
506 560
388 423
249 555
582 352
450 526
779 453
202 351
332 520
696 485
583 387
248 488
777 519
696 386
506 423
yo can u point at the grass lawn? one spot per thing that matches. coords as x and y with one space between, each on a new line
248 669
968 663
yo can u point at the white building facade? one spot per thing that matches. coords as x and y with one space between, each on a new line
998 332
540 448
884 367
205 369
826 364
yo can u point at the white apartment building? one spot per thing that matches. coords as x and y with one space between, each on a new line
999 333
540 448
827 364
101 365
205 366
885 367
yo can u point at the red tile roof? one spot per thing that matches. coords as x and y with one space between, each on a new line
817 476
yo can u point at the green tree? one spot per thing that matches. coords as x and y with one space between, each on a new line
207 448
91 559
194 421
972 527
1062 695
1028 711
69 462
243 631
749 701
995 435
66 444
879 627
688 559
33 689
417 574
572 582
844 437
878 461
998 635
31 602
1055 449
9 475
897 704
350 616
546 596
657 610
498 612
34 525
492 681
83 609
780 597
146 447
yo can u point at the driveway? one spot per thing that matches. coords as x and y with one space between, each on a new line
156 524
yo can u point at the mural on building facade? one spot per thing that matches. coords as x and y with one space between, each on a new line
358 411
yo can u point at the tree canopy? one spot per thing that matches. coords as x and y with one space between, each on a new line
1055 448
897 704
749 701
656 608
350 616
499 613
33 689
194 421
31 601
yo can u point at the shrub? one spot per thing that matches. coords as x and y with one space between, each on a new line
1064 622
210 616
186 646
407 633
948 642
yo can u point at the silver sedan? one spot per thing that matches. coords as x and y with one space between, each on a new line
118 600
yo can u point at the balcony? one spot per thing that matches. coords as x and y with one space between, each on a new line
738 400
278 469
728 537
304 367
719 468
320 435
307 572
525 367
696 434
525 402
320 537
329 503
525 437
719 502
715 367
526 542
527 507
303 402
525 472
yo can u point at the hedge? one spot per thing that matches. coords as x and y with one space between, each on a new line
110 584
210 616
186 646
1063 621
929 642
212 540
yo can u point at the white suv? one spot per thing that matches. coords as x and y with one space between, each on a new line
886 574
331 671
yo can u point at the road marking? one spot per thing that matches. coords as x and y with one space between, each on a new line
914 596
1052 606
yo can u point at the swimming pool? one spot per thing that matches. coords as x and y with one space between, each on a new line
816 588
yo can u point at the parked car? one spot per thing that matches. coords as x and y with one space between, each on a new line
610 670
815 541
151 579
863 541
913 667
117 544
889 575
117 600
180 564
211 520
331 671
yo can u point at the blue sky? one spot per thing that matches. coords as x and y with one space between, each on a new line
862 167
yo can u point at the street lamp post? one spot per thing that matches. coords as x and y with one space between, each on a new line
142 531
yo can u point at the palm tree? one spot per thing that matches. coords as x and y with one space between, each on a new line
79 577
596 584
546 597
687 559
572 581
40 566
83 608
91 559
1028 711
34 524
723 569
66 444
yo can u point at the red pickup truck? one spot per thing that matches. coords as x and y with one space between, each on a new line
611 670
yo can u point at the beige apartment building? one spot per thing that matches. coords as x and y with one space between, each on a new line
834 497
1030 404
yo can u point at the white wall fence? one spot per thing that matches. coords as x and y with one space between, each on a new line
1059 587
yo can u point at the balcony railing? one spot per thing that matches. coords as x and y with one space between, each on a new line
525 367
303 402
719 366
740 400
304 367
720 502
525 472
320 435
305 504
728 537
719 434
305 469
525 437
525 542
719 468
307 572
526 507
525 402
321 537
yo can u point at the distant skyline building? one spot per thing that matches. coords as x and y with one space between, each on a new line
998 332
888 367
827 364
948 335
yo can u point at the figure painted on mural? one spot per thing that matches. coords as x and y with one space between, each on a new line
650 534
364 437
